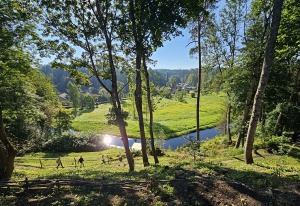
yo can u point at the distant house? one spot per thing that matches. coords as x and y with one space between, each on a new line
63 98
189 88
184 86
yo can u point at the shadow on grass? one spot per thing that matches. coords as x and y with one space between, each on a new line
237 158
158 128
183 186
295 152
83 111
55 155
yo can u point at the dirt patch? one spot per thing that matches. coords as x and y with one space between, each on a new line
196 190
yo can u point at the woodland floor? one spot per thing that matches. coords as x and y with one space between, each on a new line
187 188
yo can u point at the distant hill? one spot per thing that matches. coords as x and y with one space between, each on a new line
159 77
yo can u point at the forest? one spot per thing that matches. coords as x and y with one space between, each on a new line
248 55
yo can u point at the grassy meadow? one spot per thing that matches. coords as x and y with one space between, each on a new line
218 175
214 155
171 118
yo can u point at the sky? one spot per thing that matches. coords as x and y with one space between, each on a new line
175 54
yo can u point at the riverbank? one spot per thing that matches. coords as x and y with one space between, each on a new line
171 118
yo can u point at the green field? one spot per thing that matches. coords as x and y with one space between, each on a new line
214 155
219 169
171 118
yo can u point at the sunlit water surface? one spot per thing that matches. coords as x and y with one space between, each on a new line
173 143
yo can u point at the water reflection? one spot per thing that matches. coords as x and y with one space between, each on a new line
107 139
115 141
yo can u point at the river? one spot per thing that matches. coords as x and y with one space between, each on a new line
173 143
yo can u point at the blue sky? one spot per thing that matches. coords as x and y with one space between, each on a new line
175 54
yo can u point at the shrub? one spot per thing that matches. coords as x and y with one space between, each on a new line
179 96
159 152
193 94
273 144
79 142
137 153
166 92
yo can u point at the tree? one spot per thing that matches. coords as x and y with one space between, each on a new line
258 21
192 79
16 22
266 68
151 110
74 96
145 26
197 34
88 101
104 95
9 76
223 42
165 92
63 121
173 81
92 26
27 105
287 79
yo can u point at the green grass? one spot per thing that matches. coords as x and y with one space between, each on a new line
29 166
217 162
275 165
171 118
215 156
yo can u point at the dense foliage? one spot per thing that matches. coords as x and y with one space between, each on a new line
78 142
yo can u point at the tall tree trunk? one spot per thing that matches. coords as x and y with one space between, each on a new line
123 133
138 40
199 82
139 108
278 131
116 103
228 122
122 126
150 111
266 68
7 153
242 130
241 134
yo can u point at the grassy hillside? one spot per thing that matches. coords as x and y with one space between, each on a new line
171 118
218 177
215 155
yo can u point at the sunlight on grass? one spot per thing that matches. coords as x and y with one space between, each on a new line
29 166
173 117
216 156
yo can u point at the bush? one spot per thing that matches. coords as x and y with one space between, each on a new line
159 152
137 153
193 94
179 96
166 92
273 144
80 142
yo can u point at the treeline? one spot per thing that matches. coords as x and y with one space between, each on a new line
165 83
159 77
